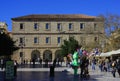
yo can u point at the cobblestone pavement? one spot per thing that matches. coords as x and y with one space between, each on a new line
61 74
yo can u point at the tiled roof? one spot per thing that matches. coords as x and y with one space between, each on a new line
54 17
57 16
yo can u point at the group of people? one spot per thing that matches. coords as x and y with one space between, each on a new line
116 67
80 59
109 65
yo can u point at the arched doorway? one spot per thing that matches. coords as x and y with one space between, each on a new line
58 54
47 55
35 55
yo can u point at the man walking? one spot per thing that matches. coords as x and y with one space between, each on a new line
2 64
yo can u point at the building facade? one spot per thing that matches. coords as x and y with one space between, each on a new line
3 27
40 36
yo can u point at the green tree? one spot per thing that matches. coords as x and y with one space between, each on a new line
69 46
7 45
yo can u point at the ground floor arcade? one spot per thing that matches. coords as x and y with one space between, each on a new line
36 54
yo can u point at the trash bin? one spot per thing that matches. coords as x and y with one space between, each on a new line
52 73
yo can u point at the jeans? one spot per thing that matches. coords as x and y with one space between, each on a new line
93 66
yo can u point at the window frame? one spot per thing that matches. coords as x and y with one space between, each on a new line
82 26
47 26
95 27
58 40
21 40
21 26
59 26
47 40
36 40
70 26
36 26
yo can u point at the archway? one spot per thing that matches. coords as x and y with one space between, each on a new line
58 54
35 55
47 55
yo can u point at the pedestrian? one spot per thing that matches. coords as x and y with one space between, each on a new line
118 67
75 64
15 68
114 68
38 59
101 65
108 66
93 63
86 68
2 64
24 62
84 63
61 60
41 61
46 62
104 66
54 62
33 60
52 72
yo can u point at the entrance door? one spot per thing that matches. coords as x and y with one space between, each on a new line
35 55
47 55
57 54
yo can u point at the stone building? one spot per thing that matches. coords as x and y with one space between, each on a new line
3 27
40 35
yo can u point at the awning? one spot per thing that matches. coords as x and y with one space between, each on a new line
110 53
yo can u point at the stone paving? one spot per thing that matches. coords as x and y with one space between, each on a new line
61 74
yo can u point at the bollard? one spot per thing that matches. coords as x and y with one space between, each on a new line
52 71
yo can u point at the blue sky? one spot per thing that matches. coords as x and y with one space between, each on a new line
15 8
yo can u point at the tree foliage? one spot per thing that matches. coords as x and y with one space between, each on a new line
115 40
112 25
112 22
7 45
69 46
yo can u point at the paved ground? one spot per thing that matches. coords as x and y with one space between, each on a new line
61 74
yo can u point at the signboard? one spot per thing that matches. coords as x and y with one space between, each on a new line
9 70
